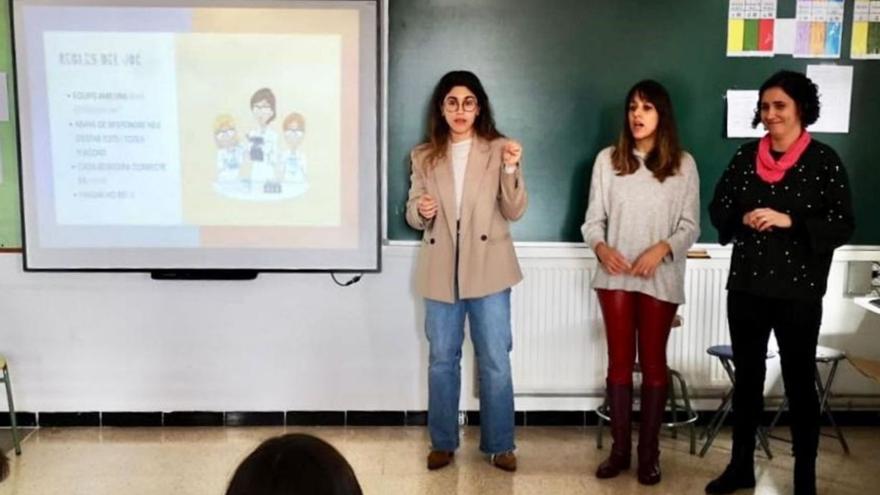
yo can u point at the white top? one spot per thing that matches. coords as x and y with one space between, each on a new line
633 212
459 153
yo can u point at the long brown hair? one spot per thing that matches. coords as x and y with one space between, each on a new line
665 159
437 139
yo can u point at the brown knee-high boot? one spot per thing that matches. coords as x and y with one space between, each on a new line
620 402
653 405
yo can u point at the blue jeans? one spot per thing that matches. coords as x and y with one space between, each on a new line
489 318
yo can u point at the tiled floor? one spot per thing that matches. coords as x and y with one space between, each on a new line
389 461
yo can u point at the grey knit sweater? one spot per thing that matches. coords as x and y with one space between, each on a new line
633 212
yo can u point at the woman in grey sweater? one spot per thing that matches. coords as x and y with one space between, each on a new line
643 215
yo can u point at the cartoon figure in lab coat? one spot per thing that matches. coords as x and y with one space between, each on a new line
263 143
293 159
230 152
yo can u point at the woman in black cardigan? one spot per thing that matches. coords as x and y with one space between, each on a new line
784 202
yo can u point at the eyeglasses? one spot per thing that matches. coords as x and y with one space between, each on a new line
294 132
452 104
225 133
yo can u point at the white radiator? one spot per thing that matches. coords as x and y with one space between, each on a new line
559 339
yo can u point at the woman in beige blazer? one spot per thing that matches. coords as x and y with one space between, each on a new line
466 186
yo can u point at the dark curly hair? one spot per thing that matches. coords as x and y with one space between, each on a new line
799 88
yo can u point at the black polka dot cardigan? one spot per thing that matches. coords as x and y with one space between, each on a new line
790 263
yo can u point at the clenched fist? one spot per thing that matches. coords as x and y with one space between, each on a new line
512 152
427 207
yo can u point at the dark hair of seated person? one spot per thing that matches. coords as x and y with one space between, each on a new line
294 464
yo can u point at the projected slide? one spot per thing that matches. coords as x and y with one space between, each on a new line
201 136
116 119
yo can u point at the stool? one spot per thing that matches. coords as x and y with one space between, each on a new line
675 405
830 357
725 354
4 366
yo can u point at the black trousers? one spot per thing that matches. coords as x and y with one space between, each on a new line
796 325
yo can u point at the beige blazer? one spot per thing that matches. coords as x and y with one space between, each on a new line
491 199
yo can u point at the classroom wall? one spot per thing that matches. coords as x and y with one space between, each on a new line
557 73
123 342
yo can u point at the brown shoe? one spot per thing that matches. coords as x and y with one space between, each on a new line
505 461
439 459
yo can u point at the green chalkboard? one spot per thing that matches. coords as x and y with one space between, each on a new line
557 72
10 209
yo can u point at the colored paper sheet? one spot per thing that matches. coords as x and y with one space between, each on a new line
819 28
802 38
874 39
765 35
832 38
735 28
4 99
817 38
750 35
859 39
750 28
866 30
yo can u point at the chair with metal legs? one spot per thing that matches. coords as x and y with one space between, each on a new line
832 358
724 353
4 366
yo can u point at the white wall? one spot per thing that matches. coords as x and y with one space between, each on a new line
123 342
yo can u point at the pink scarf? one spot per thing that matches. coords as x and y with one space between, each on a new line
772 170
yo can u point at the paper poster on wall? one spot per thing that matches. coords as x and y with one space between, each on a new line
819 28
741 106
835 96
784 36
4 98
866 30
750 28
